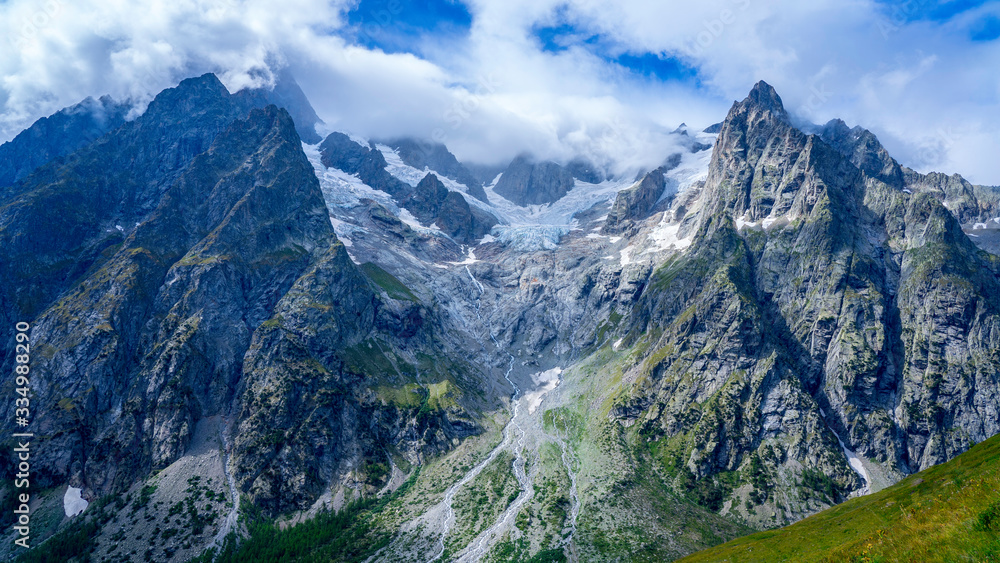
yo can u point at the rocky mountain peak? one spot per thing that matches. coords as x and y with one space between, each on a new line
527 182
190 96
755 133
752 121
58 135
864 150
764 340
764 97
286 93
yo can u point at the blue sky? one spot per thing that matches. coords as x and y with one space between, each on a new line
395 26
491 78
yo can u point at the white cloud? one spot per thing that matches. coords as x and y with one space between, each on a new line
930 93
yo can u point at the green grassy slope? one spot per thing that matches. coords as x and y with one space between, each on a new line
949 512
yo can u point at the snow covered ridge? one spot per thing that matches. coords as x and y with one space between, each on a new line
583 196
526 228
403 171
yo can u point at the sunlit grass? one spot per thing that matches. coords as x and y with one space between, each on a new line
945 513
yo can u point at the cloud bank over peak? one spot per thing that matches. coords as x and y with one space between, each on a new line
558 78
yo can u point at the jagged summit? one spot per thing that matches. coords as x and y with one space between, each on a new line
864 150
764 96
286 93
58 135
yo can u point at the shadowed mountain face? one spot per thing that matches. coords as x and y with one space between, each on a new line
529 183
286 94
58 135
77 126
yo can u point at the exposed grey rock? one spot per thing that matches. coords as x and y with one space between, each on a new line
836 320
728 338
429 201
864 150
585 171
485 173
969 203
525 182
635 203
232 288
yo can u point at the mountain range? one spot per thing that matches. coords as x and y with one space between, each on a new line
253 342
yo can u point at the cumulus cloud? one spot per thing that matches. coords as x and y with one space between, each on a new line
924 82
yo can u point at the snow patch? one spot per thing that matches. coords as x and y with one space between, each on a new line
73 502
664 237
342 229
343 190
626 255
617 344
857 466
693 168
470 259
357 139
398 168
412 176
545 381
979 226
742 222
411 221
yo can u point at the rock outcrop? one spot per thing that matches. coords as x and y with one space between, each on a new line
634 203
525 182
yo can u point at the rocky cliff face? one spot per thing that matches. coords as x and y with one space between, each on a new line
635 203
429 201
207 280
819 304
532 183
